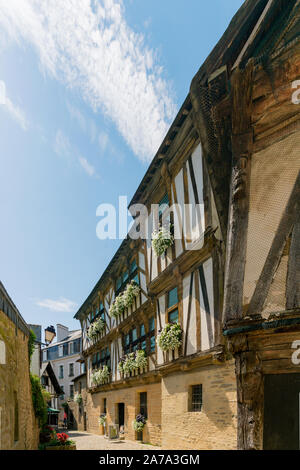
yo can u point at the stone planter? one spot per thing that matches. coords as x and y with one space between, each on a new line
72 447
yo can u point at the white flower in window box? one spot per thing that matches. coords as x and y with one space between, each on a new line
170 338
118 306
95 329
100 376
162 239
131 292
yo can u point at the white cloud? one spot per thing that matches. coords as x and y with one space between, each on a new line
103 140
62 145
60 305
89 45
15 111
88 168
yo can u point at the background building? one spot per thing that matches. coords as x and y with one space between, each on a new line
63 355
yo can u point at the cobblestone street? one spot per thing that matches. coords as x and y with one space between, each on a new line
86 441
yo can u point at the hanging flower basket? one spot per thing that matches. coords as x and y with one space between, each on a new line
100 376
95 329
118 306
132 362
131 292
171 337
162 239
140 359
124 300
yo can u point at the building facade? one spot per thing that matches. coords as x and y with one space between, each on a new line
187 393
230 281
19 428
64 355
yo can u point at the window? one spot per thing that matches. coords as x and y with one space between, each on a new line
76 346
65 346
172 303
196 398
137 338
71 391
72 347
143 404
104 405
79 387
60 351
101 358
71 370
152 334
163 206
52 353
61 372
127 276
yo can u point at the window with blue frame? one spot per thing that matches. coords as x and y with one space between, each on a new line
172 303
101 358
127 276
152 334
163 205
137 338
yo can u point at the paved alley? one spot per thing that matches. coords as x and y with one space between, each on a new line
86 441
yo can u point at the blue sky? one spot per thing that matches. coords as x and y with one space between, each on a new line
90 90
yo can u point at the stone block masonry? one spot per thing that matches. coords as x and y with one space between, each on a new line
215 426
18 425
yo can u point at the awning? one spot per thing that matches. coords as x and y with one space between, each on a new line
52 410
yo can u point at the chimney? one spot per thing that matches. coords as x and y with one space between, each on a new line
61 332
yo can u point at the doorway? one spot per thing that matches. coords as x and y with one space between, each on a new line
281 412
121 414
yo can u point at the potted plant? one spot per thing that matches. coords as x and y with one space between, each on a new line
138 425
171 337
102 423
59 441
162 239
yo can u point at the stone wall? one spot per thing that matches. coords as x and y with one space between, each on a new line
130 397
15 391
215 427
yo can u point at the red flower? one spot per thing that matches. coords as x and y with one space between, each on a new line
62 437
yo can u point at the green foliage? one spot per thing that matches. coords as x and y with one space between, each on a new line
31 342
171 337
38 400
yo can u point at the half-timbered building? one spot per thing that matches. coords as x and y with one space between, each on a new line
230 282
187 393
